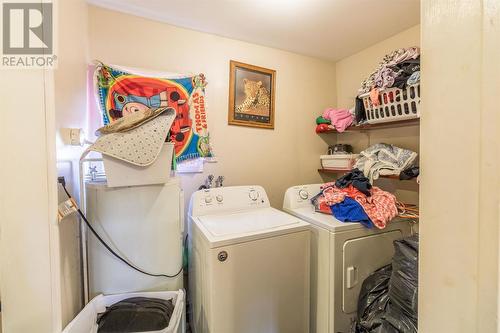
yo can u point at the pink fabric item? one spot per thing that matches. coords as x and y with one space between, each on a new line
341 119
380 206
327 113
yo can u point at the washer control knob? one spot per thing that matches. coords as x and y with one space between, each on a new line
208 199
219 198
253 194
303 194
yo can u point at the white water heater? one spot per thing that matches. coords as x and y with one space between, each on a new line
144 225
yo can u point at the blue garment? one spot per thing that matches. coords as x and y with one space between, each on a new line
350 210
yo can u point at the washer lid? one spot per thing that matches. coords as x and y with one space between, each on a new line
247 222
252 224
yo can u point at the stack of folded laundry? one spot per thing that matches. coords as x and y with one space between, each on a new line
338 119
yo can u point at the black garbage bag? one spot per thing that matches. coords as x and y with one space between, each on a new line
137 314
388 299
402 311
373 301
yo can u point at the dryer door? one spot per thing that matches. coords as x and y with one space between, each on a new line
363 256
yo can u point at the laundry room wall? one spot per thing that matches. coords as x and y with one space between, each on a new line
275 159
350 72
460 126
70 92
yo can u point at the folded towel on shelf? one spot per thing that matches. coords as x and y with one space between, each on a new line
384 159
321 128
322 120
340 118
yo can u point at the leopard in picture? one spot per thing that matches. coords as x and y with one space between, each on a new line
256 96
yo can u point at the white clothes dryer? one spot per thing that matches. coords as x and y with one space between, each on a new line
342 256
248 264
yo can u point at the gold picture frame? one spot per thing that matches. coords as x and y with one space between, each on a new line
251 95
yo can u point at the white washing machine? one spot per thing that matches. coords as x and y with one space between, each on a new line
342 256
248 264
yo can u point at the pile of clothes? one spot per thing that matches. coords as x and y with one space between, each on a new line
352 198
338 119
384 159
397 69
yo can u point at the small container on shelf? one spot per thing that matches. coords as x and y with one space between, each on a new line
338 161
394 104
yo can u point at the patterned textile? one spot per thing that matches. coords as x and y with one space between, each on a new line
121 94
383 76
384 159
141 145
380 206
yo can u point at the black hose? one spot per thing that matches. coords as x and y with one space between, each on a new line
112 251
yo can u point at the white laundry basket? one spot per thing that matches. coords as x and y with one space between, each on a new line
394 104
86 320
120 173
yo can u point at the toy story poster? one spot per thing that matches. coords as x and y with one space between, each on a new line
122 93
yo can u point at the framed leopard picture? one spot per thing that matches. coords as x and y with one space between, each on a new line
251 95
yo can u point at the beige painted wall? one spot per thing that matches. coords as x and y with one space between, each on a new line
40 258
275 159
70 112
29 239
350 72
460 142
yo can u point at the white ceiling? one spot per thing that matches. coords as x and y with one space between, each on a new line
327 29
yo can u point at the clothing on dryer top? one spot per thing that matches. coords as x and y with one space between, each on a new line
380 206
350 210
136 314
357 179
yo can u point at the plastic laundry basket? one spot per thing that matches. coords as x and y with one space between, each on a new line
394 104
86 320
120 173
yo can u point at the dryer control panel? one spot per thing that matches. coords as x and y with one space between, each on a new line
228 199
300 196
